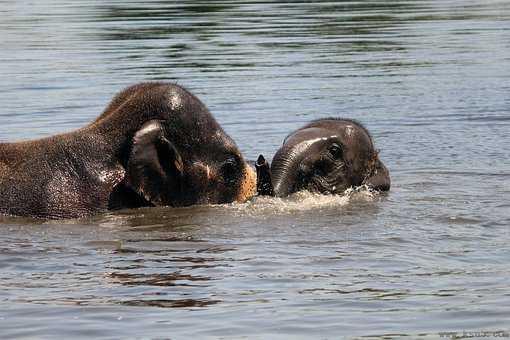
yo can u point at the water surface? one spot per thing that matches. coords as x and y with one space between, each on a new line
430 80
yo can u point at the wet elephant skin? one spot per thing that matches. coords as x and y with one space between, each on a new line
327 156
155 144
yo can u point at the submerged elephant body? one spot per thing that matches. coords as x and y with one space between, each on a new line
155 144
326 156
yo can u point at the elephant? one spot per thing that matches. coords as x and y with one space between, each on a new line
155 144
326 156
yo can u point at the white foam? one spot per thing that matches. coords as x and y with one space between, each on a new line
305 200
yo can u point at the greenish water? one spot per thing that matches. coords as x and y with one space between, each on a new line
430 79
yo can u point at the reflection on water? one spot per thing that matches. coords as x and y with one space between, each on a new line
428 78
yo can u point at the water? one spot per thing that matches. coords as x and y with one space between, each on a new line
430 79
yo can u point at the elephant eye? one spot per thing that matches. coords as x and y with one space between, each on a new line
229 170
336 151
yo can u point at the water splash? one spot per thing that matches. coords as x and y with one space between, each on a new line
305 201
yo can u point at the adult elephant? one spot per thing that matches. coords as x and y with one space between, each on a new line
327 156
155 144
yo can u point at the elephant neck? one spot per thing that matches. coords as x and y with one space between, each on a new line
134 106
118 126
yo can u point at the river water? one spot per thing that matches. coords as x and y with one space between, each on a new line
430 80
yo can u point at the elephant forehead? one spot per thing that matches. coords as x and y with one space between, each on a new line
309 136
352 137
349 130
307 144
356 138
295 150
175 101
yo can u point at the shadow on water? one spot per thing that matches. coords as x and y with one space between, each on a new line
182 303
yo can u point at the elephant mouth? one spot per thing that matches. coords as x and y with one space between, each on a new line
322 185
322 177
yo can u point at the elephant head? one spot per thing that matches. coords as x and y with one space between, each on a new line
181 155
326 156
156 144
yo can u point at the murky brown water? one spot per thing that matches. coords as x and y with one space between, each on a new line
430 79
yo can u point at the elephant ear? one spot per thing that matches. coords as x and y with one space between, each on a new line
379 178
155 167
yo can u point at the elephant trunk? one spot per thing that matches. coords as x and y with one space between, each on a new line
286 166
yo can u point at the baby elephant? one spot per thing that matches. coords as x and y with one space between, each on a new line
155 144
326 156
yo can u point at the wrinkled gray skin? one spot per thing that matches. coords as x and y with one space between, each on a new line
326 156
155 144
